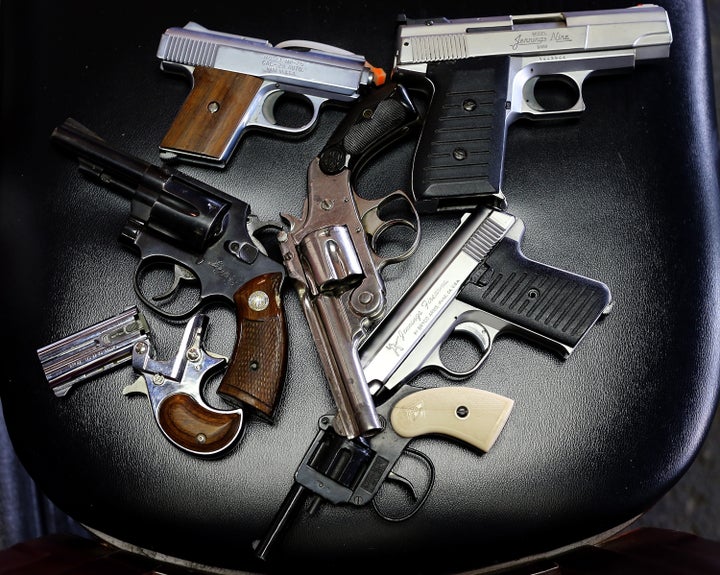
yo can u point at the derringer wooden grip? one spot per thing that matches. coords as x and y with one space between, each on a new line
195 428
208 121
258 363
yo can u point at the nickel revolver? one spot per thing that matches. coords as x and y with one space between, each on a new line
330 253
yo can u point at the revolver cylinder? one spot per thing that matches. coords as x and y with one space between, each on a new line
331 258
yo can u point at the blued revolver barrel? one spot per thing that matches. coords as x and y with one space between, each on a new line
189 211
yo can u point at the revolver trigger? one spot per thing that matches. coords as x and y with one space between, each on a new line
179 274
404 481
139 386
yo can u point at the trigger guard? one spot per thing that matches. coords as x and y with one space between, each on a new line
375 227
476 332
265 117
420 500
148 301
268 107
531 104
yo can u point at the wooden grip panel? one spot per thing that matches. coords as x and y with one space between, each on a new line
196 429
212 113
258 363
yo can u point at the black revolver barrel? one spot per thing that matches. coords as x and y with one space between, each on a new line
177 207
98 154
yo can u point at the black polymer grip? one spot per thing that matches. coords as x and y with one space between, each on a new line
554 303
459 157
386 115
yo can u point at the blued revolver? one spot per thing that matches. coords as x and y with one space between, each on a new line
352 471
238 81
486 73
206 237
331 252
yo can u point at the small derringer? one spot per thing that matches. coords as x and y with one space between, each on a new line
351 471
238 81
93 350
486 73
204 237
480 285
330 253
174 390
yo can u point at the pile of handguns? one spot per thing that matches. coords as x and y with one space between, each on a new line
474 77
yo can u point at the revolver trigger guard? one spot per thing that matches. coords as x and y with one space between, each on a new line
257 227
419 501
375 226
180 274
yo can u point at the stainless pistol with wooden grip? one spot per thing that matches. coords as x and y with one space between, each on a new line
174 388
237 82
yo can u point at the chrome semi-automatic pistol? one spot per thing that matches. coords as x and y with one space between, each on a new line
483 74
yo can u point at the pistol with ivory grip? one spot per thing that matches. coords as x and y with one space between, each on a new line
174 390
332 252
351 471
204 237
486 73
480 285
237 83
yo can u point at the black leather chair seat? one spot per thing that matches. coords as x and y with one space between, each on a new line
626 194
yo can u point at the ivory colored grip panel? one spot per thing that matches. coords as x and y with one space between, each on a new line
471 415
